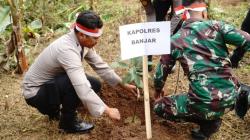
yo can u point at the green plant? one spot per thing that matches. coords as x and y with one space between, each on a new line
4 17
134 68
134 75
31 30
227 13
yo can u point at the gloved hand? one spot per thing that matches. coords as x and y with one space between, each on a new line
237 56
234 61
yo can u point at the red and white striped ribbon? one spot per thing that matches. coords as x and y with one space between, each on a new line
184 10
87 31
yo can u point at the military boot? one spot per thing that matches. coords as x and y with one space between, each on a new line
198 135
207 128
242 105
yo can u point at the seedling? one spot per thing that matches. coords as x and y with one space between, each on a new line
134 75
134 68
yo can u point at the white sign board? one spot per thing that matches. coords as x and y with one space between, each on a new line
150 38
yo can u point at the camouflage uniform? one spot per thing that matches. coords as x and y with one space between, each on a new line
200 47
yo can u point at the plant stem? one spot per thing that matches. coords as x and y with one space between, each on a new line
136 103
133 119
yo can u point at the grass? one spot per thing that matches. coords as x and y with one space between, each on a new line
233 14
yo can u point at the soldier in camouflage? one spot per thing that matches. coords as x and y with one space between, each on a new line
156 10
200 47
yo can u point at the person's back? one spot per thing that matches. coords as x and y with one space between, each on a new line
200 47
203 54
47 65
203 46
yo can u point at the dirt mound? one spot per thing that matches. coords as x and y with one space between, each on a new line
126 128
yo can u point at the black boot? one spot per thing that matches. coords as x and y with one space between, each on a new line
207 128
241 105
70 124
198 135
70 101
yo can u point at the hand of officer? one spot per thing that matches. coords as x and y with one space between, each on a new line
130 88
113 113
237 56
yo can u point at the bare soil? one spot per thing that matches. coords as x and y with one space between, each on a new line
20 121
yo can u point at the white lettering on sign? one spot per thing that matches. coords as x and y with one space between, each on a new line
150 38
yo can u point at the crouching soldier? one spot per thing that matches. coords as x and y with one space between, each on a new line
157 10
200 47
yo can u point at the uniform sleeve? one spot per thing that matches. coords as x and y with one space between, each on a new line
166 64
163 68
70 61
238 38
102 68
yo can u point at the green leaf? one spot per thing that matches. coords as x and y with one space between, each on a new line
133 76
137 62
133 119
119 65
4 18
136 77
27 29
107 17
138 81
72 15
132 70
67 24
36 24
128 78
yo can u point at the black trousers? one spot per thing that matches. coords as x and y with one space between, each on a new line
161 8
246 23
59 91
